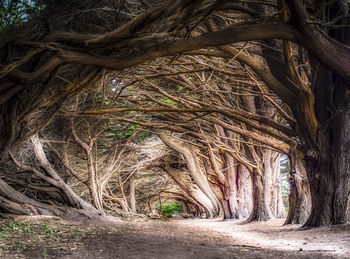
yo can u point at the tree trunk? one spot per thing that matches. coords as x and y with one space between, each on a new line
329 177
193 191
195 171
73 198
17 203
94 188
299 197
276 202
244 191
229 183
261 210
231 187
132 193
341 161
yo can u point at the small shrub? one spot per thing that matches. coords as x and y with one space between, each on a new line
170 208
78 233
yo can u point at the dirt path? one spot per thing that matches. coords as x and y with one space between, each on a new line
172 239
333 240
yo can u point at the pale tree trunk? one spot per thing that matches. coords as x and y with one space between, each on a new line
276 201
261 177
73 199
261 209
229 183
132 193
244 191
267 179
94 188
195 171
17 203
196 196
231 187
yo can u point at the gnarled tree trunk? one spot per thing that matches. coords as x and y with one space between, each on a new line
276 202
193 191
299 197
93 184
17 203
261 209
196 172
132 193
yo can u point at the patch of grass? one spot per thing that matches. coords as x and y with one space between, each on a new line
13 227
50 232
78 233
16 226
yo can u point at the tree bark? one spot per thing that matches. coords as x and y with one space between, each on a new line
95 191
244 191
73 198
276 201
195 171
193 191
17 203
132 193
261 209
299 197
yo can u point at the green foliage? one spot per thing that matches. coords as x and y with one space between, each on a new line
13 227
143 135
171 102
16 226
15 12
50 232
78 233
118 133
180 88
170 208
19 245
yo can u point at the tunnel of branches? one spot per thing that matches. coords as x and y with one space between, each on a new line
113 107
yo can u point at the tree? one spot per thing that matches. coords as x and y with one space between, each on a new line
32 91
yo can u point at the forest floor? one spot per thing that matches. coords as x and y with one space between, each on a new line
55 238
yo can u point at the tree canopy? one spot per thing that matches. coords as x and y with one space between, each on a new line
236 79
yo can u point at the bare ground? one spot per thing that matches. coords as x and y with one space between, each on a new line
55 238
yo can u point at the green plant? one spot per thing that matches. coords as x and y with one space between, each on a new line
171 102
118 133
15 226
167 209
180 88
38 237
287 209
45 254
143 135
78 233
29 228
19 245
50 232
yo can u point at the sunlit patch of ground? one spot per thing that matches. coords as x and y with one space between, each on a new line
332 240
55 238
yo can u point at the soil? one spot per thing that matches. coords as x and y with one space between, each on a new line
55 238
